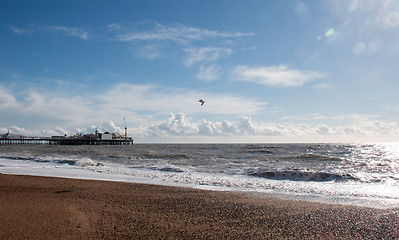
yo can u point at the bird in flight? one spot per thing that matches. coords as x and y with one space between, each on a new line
201 101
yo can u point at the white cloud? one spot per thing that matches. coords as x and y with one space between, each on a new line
69 31
176 32
275 75
60 131
108 126
176 125
153 31
47 105
72 109
323 129
139 103
181 38
149 39
65 30
28 132
209 73
209 54
179 126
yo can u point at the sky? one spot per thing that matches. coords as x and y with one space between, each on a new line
268 71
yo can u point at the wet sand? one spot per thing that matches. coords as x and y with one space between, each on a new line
57 208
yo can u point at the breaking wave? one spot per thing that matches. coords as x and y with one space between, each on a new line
296 175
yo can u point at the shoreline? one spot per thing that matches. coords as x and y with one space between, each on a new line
62 208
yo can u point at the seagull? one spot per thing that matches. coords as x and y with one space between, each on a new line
201 101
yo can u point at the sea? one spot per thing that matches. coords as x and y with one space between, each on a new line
354 174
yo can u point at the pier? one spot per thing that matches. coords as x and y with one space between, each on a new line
98 138
65 141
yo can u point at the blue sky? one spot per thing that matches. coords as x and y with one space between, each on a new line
269 71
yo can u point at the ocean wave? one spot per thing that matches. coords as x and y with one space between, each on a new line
262 147
261 151
159 168
83 162
165 155
166 169
318 157
296 175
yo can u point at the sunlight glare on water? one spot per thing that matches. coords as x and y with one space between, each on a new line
376 162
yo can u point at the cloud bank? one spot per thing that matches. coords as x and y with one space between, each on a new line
179 128
244 129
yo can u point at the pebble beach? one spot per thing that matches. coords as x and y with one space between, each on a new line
35 207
